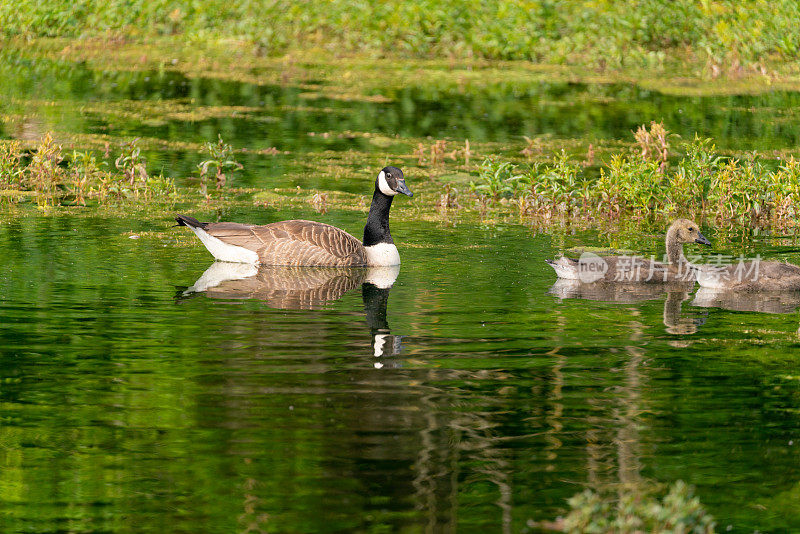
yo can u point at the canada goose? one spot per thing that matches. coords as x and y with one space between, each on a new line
636 269
749 276
309 243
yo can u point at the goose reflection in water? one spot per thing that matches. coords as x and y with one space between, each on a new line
676 293
308 288
749 301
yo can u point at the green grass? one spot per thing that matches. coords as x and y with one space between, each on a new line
721 36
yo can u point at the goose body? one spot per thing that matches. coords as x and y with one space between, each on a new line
308 243
636 269
750 276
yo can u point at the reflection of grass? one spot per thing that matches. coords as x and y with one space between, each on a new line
362 77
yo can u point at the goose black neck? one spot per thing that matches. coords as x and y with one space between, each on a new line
377 228
375 304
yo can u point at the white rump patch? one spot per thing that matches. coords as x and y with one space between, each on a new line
382 255
383 185
382 277
710 277
222 271
223 251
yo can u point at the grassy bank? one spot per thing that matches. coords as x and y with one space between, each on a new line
721 37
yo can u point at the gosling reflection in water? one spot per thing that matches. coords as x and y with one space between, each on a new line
308 288
676 293
749 301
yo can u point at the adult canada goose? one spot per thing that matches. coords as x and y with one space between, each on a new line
309 243
749 276
636 269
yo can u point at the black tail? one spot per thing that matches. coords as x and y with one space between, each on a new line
185 220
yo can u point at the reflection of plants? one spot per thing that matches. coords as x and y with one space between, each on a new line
634 512
221 160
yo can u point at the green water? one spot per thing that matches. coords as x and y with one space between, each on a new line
469 396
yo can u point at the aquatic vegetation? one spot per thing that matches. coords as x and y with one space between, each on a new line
448 199
635 511
438 152
44 173
221 159
10 166
131 163
638 183
653 143
57 178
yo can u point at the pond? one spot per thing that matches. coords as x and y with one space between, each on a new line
474 393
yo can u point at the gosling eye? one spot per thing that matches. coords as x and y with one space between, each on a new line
691 229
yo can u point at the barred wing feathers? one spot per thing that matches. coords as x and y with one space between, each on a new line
295 242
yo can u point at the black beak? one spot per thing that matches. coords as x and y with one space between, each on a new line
402 188
702 239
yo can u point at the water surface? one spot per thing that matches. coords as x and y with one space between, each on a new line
470 395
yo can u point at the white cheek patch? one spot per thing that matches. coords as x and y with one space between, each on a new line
383 185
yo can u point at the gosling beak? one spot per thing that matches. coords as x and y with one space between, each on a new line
403 188
702 239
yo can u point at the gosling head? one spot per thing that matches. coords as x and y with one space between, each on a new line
391 182
686 231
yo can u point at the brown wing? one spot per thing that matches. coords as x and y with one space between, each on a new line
763 276
294 242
